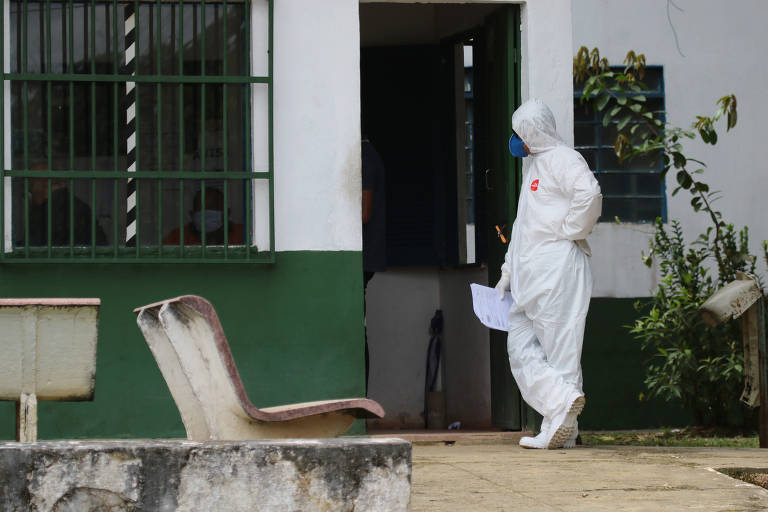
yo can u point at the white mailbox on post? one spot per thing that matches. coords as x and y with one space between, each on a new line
743 299
48 353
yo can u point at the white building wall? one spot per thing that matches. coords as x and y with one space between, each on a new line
723 46
317 125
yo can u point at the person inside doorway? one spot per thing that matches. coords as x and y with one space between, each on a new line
374 223
547 271
212 223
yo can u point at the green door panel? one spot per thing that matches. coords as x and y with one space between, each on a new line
497 95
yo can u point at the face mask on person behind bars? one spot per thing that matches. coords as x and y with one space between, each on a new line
214 219
516 146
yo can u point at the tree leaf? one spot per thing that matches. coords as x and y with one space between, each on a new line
602 101
623 122
701 187
684 179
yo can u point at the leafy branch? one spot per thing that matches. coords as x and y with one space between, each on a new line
642 132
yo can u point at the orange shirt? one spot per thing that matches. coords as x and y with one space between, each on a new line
192 237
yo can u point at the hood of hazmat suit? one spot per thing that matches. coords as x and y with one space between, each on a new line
547 268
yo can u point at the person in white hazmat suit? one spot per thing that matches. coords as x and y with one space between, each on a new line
547 271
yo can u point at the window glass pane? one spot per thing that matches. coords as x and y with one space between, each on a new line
584 135
653 79
609 161
583 111
590 157
631 209
625 184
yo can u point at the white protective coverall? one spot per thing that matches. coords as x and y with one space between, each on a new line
547 266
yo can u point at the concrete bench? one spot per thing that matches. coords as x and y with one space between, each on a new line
48 353
189 345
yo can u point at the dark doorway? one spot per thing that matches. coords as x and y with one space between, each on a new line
441 128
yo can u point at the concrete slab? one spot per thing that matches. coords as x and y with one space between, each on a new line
432 436
466 477
320 474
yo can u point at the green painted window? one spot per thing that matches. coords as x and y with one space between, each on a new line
632 190
137 131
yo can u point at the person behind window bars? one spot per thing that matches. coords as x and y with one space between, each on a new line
213 223
60 214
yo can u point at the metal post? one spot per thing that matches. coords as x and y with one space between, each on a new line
26 418
763 369
130 121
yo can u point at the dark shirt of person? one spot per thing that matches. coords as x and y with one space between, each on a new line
60 226
374 231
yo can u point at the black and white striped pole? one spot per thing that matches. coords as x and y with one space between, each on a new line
130 121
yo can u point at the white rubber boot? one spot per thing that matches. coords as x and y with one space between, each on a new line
564 425
541 440
571 443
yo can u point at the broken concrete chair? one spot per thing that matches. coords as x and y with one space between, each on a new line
189 345
48 353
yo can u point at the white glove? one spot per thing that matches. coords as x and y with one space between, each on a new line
503 285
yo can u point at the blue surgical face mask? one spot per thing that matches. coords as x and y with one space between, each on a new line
516 147
214 219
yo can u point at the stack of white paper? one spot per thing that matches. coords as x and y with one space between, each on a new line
491 311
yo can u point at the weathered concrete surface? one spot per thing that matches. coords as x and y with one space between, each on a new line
501 476
330 474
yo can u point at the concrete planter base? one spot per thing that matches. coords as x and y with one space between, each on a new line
322 474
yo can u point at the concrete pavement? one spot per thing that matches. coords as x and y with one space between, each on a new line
497 474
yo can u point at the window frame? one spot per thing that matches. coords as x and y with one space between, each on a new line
253 180
597 125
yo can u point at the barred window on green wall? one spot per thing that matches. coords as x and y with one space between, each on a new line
131 132
632 190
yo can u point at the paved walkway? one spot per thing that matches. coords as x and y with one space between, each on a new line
496 474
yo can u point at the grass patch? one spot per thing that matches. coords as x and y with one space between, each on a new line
749 475
694 436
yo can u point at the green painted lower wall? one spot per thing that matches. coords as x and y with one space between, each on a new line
614 371
295 328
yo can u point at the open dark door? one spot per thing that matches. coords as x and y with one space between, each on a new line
497 179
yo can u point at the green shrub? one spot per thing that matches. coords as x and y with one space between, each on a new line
691 362
698 365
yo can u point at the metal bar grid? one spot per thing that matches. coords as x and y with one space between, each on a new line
159 124
149 79
248 155
2 132
595 124
71 67
224 116
92 52
74 251
25 126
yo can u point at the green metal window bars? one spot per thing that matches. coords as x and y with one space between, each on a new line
127 131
